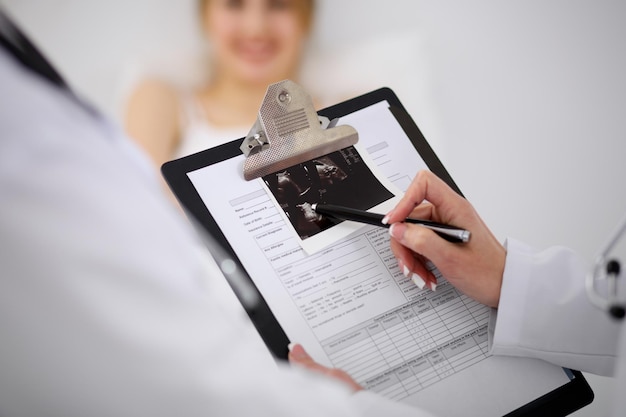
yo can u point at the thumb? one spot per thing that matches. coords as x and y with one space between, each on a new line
297 354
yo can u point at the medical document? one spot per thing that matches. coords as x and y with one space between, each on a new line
352 308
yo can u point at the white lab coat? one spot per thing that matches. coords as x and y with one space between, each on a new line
544 313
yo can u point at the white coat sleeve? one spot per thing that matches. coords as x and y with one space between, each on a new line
544 312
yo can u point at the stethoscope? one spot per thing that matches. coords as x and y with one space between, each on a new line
606 268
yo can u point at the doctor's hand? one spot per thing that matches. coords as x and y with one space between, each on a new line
475 267
298 356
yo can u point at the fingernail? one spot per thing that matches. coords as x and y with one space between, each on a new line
397 230
433 286
385 219
406 271
290 346
417 280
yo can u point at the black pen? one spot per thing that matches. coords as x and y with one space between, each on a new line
450 233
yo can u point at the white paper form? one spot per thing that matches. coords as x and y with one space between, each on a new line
352 308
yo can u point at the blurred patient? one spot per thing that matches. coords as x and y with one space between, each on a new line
254 43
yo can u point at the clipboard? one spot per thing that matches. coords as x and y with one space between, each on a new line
562 399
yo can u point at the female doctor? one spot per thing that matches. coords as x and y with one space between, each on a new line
540 306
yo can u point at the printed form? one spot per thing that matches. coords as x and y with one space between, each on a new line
350 305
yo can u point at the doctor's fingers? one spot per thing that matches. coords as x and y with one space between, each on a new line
297 355
475 268
411 239
460 263
425 211
413 266
427 186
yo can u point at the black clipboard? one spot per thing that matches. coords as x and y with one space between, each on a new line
561 401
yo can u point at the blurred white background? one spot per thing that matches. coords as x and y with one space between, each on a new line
523 101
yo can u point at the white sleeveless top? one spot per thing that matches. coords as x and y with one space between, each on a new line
197 133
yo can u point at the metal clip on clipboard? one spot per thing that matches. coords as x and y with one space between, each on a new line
288 131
